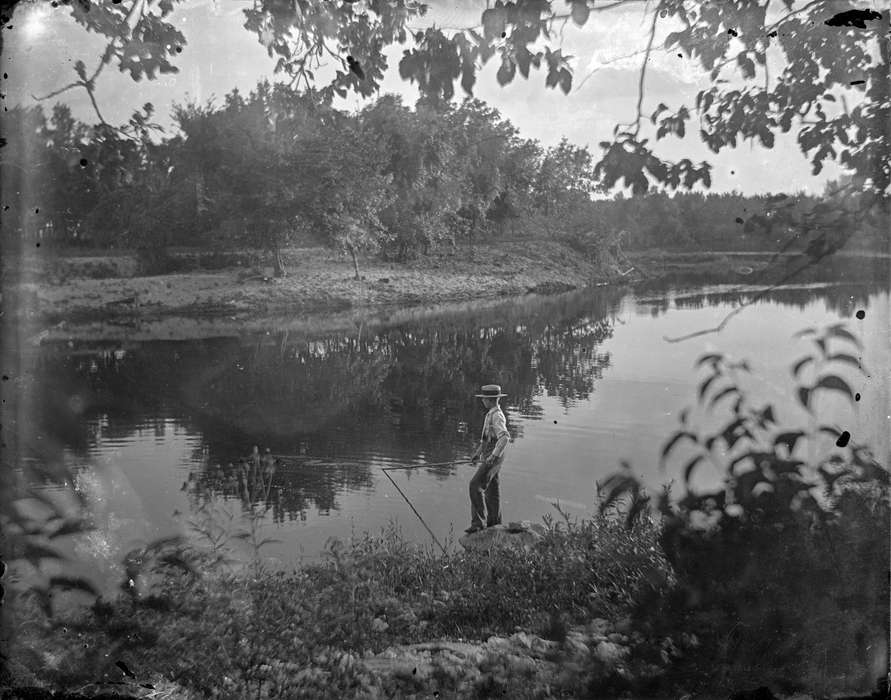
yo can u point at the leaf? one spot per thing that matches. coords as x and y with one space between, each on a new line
831 430
786 467
754 457
507 71
721 394
835 383
580 12
638 505
661 108
712 357
71 527
797 367
34 552
732 433
839 331
615 486
673 39
747 66
73 583
845 358
468 77
690 466
565 80
677 437
703 388
494 22
804 396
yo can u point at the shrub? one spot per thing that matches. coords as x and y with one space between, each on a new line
782 570
272 634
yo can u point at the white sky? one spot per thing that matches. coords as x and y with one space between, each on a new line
44 43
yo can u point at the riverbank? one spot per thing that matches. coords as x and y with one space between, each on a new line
106 297
586 611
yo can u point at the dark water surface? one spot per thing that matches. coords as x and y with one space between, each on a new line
149 429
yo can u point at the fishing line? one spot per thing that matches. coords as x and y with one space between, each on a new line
386 471
415 510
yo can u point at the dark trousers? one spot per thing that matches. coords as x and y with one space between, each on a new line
485 495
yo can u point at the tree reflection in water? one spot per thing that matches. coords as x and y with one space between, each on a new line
399 392
286 489
382 394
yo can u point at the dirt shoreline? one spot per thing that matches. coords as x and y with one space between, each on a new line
320 292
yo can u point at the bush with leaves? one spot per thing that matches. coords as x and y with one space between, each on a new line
258 633
782 568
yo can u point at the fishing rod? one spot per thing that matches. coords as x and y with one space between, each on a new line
415 510
421 466
395 468
386 471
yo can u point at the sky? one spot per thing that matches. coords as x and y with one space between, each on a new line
40 51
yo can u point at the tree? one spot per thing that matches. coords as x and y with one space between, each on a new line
564 175
829 54
483 140
421 165
349 190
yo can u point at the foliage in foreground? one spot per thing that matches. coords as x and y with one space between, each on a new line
279 635
782 569
778 573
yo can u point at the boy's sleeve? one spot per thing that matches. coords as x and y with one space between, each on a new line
499 423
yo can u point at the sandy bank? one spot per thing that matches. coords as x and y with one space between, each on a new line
320 287
101 298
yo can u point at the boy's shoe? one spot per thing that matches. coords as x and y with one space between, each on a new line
472 529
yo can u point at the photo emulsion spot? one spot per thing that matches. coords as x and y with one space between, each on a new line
514 349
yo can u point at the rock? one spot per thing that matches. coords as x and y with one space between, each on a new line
623 625
378 625
526 526
522 639
576 644
408 617
599 626
610 653
500 536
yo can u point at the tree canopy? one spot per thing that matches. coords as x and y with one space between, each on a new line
816 68
281 166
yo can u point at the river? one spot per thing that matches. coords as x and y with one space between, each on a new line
149 429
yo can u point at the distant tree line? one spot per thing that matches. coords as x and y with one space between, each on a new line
280 166
719 221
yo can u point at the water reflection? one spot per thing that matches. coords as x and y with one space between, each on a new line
396 394
288 489
843 299
339 406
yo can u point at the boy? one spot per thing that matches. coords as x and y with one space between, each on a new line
485 497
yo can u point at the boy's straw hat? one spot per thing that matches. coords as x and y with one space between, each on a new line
490 391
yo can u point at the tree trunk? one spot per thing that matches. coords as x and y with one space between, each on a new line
352 250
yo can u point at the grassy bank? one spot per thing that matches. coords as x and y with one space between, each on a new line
593 609
348 626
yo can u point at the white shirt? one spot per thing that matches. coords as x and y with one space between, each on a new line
495 425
